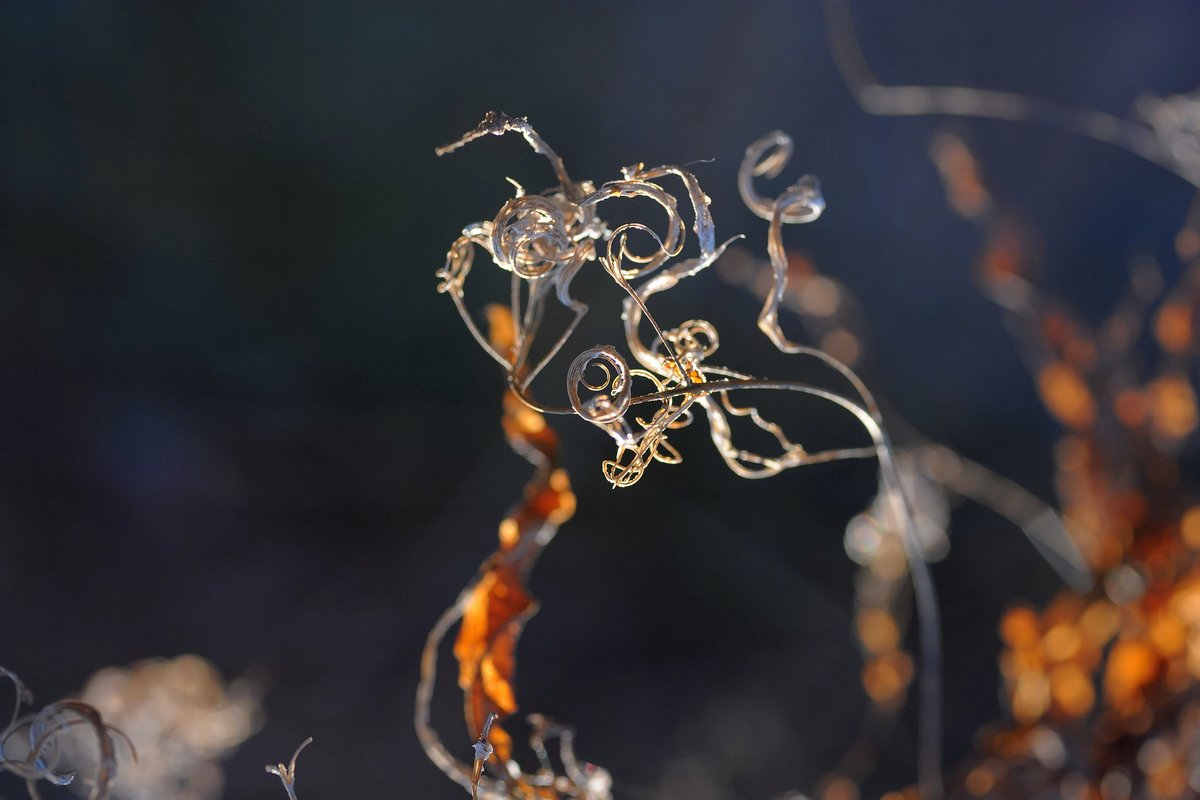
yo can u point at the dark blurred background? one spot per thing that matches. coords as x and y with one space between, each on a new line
236 419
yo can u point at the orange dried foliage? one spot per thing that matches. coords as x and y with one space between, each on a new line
1132 666
502 334
878 631
1066 395
499 604
1020 627
1050 657
1003 257
979 781
886 678
1189 527
1102 685
1187 244
838 787
1071 689
1130 407
799 265
1173 413
1173 327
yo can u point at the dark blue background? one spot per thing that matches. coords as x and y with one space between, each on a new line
235 418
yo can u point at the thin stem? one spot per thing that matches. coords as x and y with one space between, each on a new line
456 770
880 99
929 709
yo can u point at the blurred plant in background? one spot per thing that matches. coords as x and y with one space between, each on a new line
1102 685
184 719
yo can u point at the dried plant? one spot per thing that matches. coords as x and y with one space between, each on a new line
185 719
34 746
287 773
544 240
1119 634
1101 686
1167 133
493 611
930 473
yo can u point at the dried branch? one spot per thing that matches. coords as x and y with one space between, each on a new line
1169 138
287 773
545 240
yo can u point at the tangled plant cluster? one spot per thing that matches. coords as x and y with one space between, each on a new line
544 241
1098 686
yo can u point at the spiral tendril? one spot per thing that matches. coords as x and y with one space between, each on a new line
612 395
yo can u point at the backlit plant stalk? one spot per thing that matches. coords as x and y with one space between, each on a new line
544 241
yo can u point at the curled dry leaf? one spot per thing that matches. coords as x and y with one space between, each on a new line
499 603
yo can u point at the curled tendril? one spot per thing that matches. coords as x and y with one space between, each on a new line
546 239
611 395
673 412
31 746
618 252
459 259
695 339
23 696
801 202
551 236
667 246
767 157
631 461
635 452
529 236
703 226
453 275
804 195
